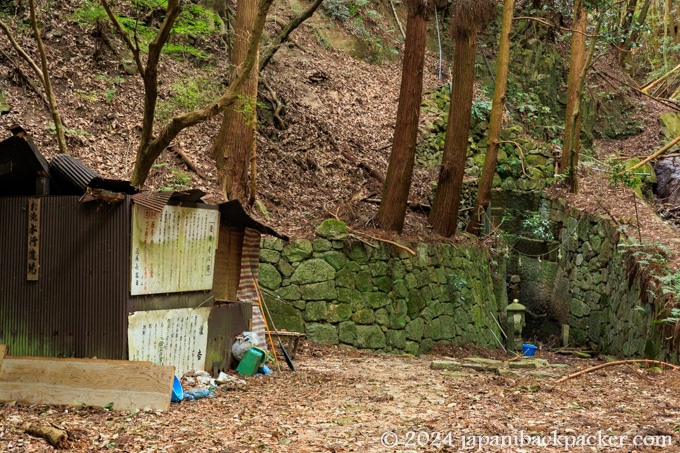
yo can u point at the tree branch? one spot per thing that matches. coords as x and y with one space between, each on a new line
21 52
54 111
124 36
269 52
181 122
619 362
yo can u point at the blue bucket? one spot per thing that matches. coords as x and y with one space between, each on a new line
528 350
177 391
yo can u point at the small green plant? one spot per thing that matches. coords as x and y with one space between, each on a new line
537 227
481 109
247 106
110 94
187 95
178 180
88 14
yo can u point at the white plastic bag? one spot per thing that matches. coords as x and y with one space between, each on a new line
243 342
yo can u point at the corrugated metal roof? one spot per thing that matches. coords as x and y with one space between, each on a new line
233 214
155 201
72 172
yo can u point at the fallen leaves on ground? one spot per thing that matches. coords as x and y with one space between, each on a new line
344 401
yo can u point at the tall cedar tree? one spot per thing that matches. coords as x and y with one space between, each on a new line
469 16
400 169
571 143
235 144
485 183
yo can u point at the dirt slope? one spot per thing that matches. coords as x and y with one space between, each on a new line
330 154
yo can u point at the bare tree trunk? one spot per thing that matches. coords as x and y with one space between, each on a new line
444 214
498 105
236 139
47 83
400 169
570 147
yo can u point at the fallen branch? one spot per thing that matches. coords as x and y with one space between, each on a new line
618 362
187 160
354 233
394 11
637 90
396 244
27 80
53 436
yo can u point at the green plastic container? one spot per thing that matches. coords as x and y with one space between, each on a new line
250 362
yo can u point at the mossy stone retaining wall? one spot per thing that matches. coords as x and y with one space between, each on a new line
588 278
380 297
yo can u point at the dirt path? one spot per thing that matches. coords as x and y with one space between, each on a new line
345 402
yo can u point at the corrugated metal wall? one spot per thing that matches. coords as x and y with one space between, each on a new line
228 263
78 307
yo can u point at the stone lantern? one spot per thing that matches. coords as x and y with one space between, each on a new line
515 322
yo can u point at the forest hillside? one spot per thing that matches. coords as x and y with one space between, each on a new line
326 102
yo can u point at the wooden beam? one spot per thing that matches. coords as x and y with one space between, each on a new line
3 352
91 382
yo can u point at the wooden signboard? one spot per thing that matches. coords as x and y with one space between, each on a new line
33 255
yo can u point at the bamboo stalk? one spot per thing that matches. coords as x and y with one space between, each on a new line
654 155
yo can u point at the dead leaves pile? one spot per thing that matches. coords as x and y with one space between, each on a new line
344 402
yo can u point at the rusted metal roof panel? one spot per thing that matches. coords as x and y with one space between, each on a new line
78 305
155 201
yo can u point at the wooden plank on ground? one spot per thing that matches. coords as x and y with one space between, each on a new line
128 385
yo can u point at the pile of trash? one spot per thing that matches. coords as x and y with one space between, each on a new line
252 359
198 384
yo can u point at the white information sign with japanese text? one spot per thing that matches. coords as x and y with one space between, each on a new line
173 250
170 337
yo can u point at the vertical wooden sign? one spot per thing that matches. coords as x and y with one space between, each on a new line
33 261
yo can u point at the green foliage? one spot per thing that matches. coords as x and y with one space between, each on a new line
481 109
178 180
188 95
89 13
193 23
180 51
247 106
337 9
531 111
618 176
109 95
537 227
